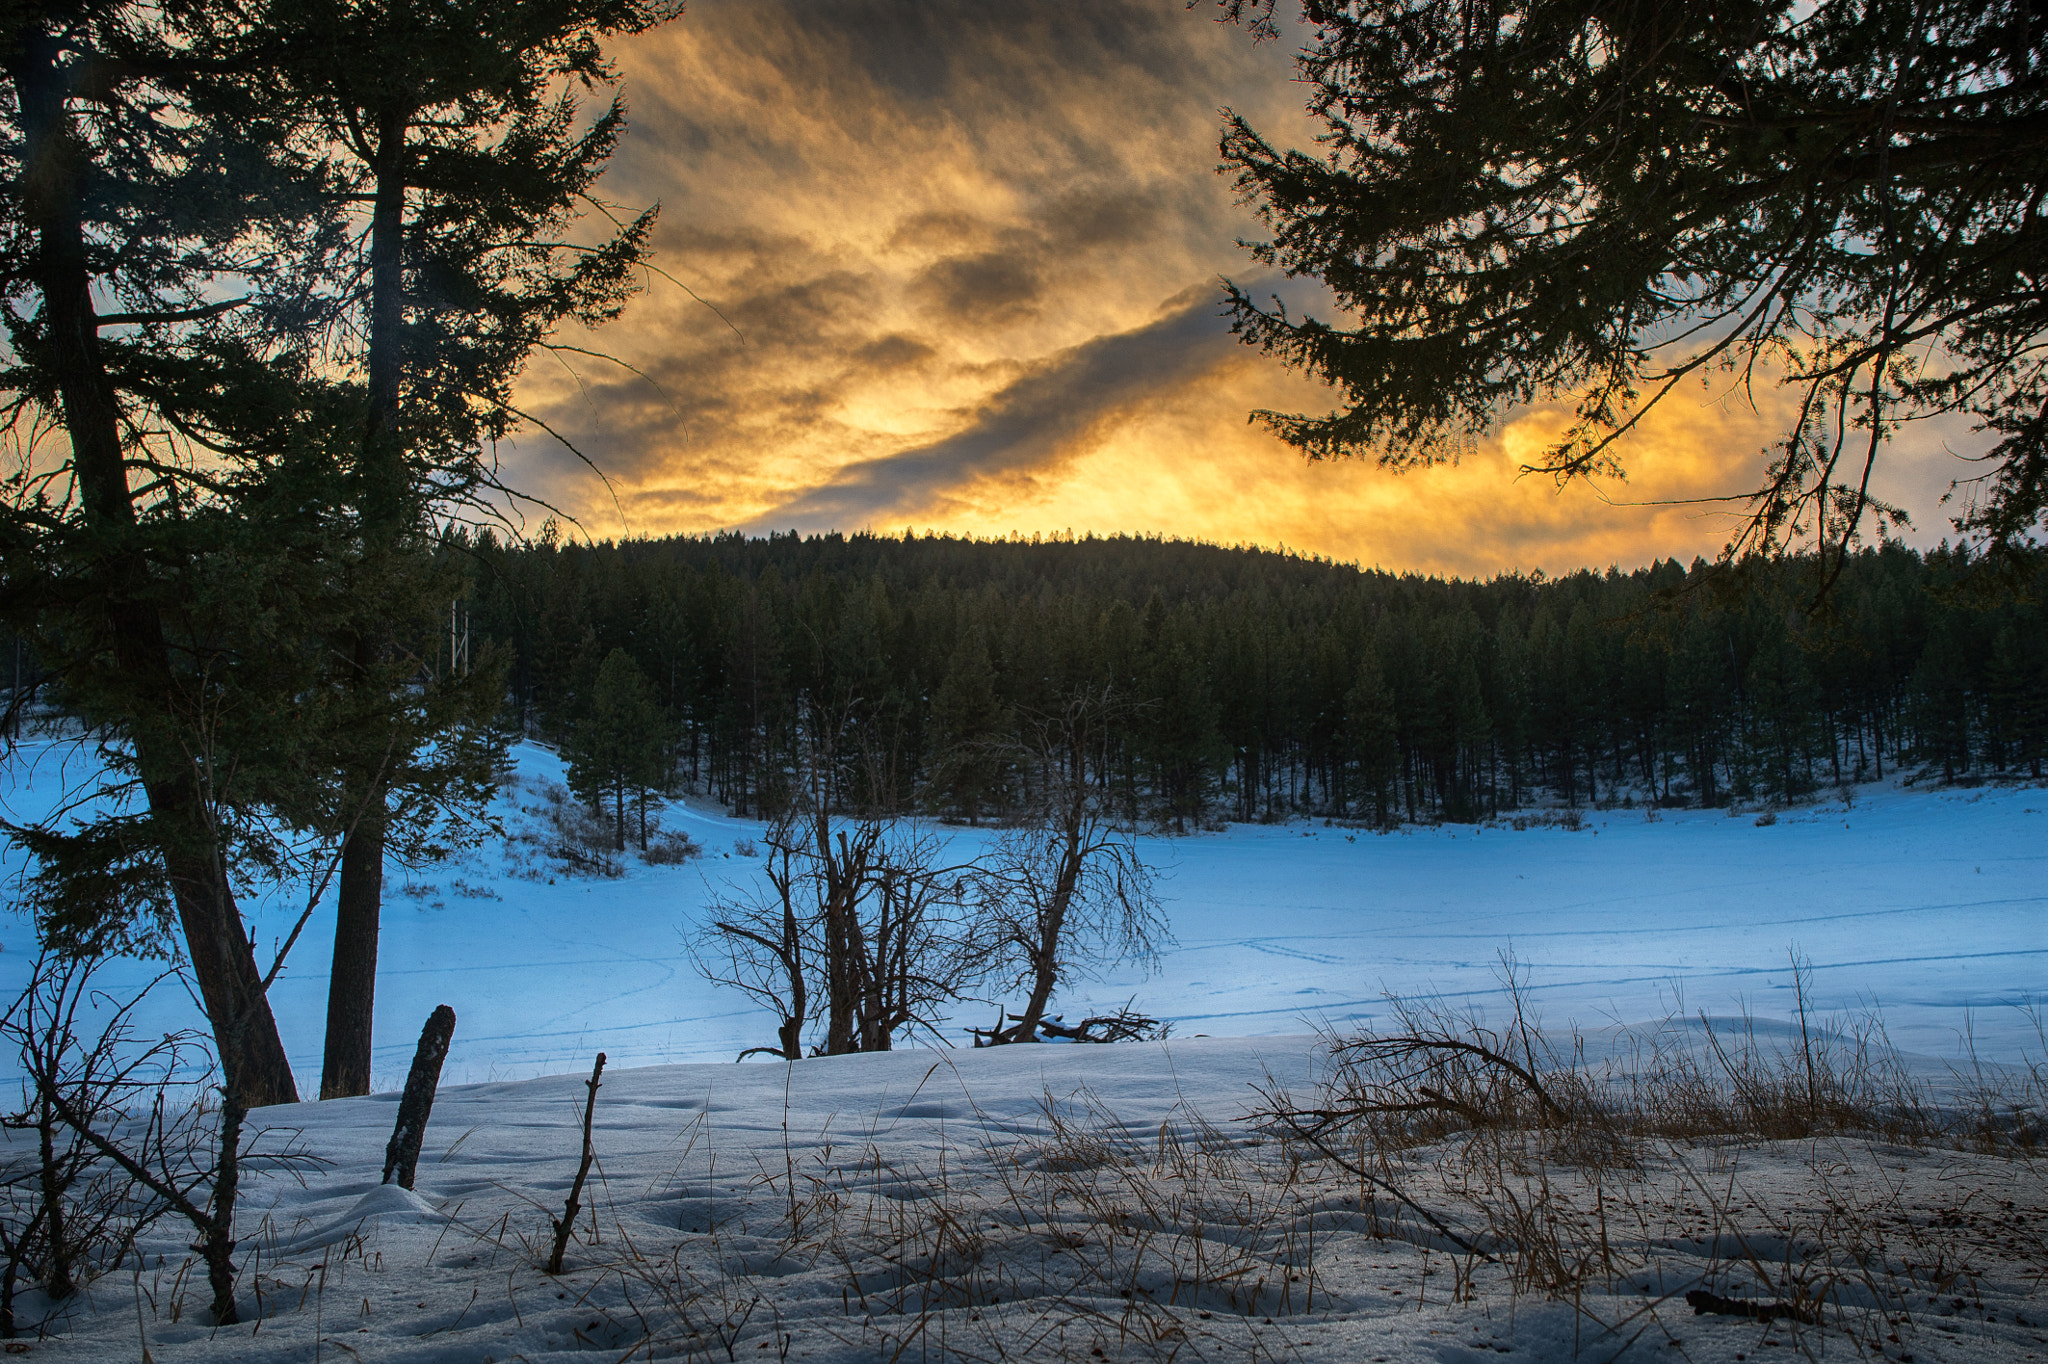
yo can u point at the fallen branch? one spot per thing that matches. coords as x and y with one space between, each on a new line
1122 1026
1705 1304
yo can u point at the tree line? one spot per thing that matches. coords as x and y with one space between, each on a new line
1253 684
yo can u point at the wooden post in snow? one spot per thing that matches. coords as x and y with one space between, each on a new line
402 1155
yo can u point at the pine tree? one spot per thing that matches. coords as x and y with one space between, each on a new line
1941 696
971 726
1545 199
1374 734
618 749
1183 739
155 246
2017 688
460 129
1782 702
1698 700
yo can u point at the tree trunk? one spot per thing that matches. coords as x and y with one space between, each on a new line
352 981
58 1280
1052 926
217 1246
1044 975
223 961
359 896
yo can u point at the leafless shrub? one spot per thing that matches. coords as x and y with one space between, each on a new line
1440 1073
127 1131
669 848
71 1214
566 832
1572 1174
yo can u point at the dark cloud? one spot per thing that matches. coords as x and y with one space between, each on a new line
1027 426
990 288
888 354
1005 272
946 52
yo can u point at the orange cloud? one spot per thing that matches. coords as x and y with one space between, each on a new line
953 265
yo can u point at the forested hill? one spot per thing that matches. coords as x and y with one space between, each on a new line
1258 683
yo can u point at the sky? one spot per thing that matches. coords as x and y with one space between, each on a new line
955 265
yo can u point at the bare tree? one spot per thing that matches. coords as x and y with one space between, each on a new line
854 921
1067 893
760 940
915 934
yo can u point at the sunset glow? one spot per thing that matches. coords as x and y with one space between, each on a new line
955 267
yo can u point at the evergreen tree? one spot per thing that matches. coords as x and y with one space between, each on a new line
1942 695
1182 740
617 750
459 129
156 242
971 727
1547 199
2018 686
1374 732
1782 704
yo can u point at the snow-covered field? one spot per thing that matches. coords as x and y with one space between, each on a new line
1061 1203
1931 904
1081 1203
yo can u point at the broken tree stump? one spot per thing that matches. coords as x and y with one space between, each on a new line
402 1154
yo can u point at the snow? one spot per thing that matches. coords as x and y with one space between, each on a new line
1930 904
803 1211
1045 1202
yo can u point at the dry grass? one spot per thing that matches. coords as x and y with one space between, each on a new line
1445 1179
1802 1178
1800 1185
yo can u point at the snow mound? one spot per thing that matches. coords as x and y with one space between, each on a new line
384 1205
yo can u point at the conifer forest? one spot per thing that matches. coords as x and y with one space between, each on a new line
1250 684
